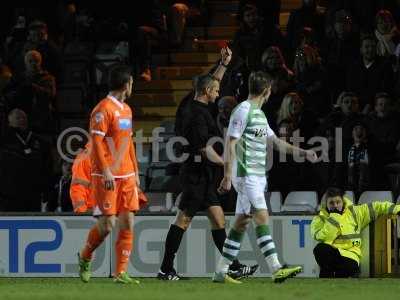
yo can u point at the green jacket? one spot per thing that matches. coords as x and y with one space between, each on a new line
343 231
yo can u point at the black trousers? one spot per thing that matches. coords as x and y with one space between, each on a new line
332 264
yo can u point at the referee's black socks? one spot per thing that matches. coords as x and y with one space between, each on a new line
219 237
172 243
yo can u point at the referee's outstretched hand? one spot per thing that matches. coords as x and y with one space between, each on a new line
225 185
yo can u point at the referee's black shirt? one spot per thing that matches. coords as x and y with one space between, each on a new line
198 127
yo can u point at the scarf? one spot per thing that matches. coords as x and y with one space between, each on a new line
385 46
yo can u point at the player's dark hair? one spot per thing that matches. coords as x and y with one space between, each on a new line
258 82
119 76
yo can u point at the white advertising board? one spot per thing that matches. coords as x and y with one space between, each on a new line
47 246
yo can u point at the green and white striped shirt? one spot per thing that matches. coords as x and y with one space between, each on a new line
249 124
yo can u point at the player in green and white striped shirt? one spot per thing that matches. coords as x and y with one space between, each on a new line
245 167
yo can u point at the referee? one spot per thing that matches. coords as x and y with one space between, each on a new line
198 173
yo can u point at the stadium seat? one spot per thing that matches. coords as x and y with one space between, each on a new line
350 195
156 169
76 72
274 201
169 126
304 201
101 67
79 50
371 196
143 182
159 201
68 122
159 183
70 99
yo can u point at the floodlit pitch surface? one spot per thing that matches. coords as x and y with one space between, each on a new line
201 289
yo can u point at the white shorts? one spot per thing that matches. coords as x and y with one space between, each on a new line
250 191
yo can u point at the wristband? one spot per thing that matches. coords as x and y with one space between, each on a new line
222 64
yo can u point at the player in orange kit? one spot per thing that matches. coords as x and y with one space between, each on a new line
115 178
80 191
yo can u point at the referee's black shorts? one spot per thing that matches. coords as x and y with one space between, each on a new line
199 188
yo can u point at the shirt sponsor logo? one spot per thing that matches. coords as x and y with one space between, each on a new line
260 132
125 124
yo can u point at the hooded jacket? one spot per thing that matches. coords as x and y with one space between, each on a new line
343 231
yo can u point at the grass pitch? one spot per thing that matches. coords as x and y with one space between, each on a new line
199 289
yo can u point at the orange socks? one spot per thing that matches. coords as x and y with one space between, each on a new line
123 247
93 241
123 250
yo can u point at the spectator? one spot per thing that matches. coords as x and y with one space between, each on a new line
16 36
337 229
292 111
37 39
363 13
5 96
306 16
345 115
383 126
394 7
274 64
343 118
268 10
164 27
35 92
386 33
311 80
225 107
395 64
358 162
338 51
25 166
66 21
180 12
251 39
307 37
370 74
60 200
285 167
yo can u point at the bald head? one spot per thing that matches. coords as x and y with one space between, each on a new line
17 119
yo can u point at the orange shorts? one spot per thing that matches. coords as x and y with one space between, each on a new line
123 198
80 197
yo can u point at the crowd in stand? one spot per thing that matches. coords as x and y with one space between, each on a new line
335 67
